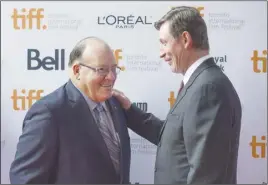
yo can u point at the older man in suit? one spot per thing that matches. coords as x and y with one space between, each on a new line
198 142
78 133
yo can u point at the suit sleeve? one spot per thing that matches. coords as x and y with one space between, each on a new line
144 124
36 150
206 127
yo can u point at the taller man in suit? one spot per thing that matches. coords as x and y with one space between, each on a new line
78 133
198 142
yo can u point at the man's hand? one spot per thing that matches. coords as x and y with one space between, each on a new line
120 96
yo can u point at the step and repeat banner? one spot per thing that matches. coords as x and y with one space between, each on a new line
37 37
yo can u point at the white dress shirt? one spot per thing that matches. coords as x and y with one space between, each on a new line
193 67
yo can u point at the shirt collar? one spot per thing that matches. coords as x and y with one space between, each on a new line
92 104
193 67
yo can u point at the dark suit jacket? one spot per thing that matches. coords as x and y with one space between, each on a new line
61 143
198 142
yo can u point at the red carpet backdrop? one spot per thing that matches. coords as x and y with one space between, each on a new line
37 37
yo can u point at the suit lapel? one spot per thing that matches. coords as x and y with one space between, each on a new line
114 110
178 99
205 65
83 114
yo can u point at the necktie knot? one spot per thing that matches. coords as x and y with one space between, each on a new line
99 107
181 87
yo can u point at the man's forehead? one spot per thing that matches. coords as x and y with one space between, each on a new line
165 27
97 53
164 31
101 61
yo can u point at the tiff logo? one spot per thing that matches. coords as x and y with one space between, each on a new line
171 98
199 9
258 148
25 100
25 18
259 63
118 56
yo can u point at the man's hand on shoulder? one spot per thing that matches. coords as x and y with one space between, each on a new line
120 96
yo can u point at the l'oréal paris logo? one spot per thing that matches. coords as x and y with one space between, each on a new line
120 21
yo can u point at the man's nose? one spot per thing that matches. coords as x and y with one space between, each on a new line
111 75
162 53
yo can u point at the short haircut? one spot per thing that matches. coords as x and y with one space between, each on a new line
188 19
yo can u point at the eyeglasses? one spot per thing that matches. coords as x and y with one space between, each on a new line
103 71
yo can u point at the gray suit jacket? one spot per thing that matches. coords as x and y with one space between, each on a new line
198 142
61 143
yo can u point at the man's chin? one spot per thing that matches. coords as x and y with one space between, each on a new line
173 69
105 96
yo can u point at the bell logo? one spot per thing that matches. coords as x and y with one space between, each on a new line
25 18
118 57
171 99
48 63
199 8
25 100
259 63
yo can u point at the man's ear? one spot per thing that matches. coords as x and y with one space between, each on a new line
76 70
187 40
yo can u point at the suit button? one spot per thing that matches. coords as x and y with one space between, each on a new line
155 169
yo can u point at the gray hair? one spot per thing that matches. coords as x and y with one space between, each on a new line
188 19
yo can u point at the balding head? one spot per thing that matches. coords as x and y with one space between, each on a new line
93 68
93 45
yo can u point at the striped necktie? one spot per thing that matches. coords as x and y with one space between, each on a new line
108 136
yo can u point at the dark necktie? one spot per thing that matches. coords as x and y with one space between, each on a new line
181 87
108 136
